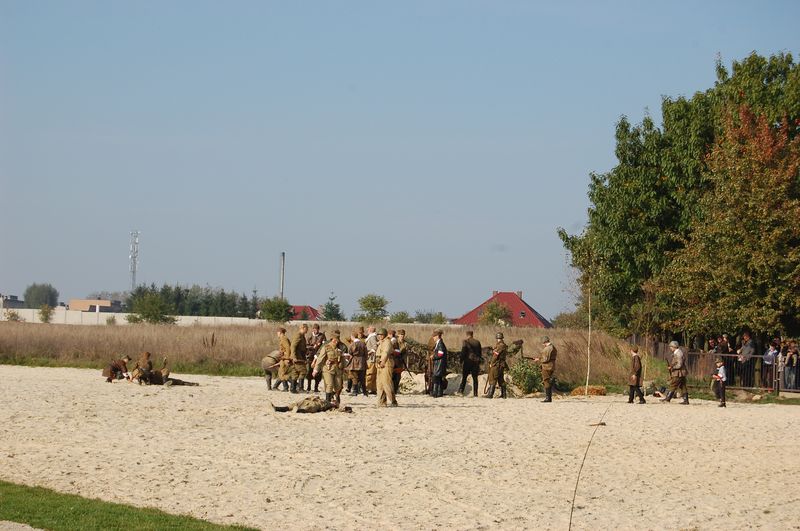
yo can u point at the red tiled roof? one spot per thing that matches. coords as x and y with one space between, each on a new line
312 313
522 314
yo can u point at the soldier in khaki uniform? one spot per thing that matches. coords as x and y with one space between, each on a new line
286 358
331 361
677 374
298 358
547 358
497 366
385 363
400 356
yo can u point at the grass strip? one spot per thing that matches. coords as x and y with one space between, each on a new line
47 509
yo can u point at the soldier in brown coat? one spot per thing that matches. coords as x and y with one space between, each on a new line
471 356
298 350
315 343
117 370
635 377
547 357
358 363
497 366
385 362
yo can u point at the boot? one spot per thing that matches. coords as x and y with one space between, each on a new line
328 398
722 404
276 384
641 395
435 390
269 381
490 393
669 396
503 392
316 386
685 399
630 394
294 387
548 395
301 385
308 385
350 386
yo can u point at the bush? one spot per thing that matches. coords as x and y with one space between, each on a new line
13 316
46 313
527 376
111 321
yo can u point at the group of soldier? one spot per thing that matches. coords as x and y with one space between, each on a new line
372 362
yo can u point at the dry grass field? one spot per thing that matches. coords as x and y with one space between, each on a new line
238 350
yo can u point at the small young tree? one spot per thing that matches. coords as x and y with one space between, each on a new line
277 310
495 314
401 317
46 313
372 308
331 311
151 308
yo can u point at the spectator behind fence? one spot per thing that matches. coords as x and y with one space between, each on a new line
768 364
790 369
746 360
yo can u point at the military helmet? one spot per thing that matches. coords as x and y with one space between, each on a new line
545 339
382 332
674 344
499 335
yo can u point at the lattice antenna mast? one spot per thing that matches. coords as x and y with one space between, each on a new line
134 256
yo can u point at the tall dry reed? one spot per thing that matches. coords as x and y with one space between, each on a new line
238 350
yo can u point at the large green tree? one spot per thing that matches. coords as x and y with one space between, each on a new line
643 210
38 294
740 267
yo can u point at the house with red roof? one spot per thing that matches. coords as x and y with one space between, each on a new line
305 313
522 313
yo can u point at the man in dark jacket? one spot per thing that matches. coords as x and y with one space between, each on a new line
439 371
470 362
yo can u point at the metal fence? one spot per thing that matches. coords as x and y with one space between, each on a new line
755 373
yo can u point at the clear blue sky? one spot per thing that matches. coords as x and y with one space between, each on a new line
426 151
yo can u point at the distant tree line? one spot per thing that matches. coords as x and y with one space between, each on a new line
197 300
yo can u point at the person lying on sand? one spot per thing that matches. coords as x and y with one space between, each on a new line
160 377
311 404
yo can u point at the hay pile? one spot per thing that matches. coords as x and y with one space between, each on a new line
594 390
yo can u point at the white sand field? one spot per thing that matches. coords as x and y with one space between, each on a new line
215 452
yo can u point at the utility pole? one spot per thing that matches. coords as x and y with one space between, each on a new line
134 257
283 271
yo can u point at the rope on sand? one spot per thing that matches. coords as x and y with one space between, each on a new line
580 470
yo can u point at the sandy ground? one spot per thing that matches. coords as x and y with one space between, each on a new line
216 452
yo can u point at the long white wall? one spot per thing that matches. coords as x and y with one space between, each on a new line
74 317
